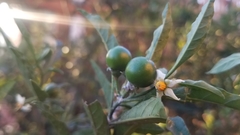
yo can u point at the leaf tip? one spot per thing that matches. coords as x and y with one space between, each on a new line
83 12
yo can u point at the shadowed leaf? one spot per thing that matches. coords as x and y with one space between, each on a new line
59 126
98 118
18 56
124 129
198 92
149 128
105 84
85 131
151 110
45 55
196 36
5 88
202 86
57 70
42 95
177 126
160 36
231 100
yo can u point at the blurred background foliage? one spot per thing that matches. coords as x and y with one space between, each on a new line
74 42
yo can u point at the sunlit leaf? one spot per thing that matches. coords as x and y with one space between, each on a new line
97 118
196 36
42 95
5 88
102 28
177 126
226 64
151 110
160 36
105 84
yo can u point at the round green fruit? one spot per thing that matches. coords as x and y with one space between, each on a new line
141 72
118 57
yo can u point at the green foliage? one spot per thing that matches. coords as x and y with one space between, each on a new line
57 70
128 129
22 63
59 126
98 118
46 54
151 110
196 36
149 128
201 91
105 84
226 64
201 86
31 69
177 126
130 109
5 88
102 28
160 36
148 111
42 95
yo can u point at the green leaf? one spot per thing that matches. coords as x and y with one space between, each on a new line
26 36
149 128
57 70
198 92
50 87
177 126
5 88
231 100
135 99
45 55
85 131
202 87
196 36
124 129
226 64
17 54
98 118
8 42
59 126
151 110
42 95
160 36
102 28
57 109
105 84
